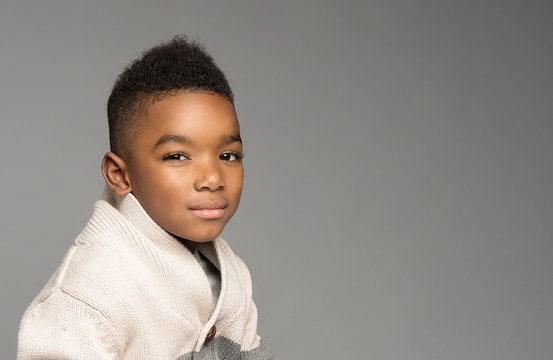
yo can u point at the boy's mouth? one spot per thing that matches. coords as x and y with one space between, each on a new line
209 209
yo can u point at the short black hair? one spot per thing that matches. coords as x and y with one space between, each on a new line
176 66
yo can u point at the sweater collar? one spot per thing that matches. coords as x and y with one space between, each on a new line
132 210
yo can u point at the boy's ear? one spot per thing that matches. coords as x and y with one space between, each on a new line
115 172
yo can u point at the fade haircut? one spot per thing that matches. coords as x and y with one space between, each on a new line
174 67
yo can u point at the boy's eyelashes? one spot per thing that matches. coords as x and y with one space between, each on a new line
175 157
225 156
231 156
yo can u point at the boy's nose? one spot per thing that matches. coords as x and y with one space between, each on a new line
209 177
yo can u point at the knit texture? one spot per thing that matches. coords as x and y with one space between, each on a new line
129 290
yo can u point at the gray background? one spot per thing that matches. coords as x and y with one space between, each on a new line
398 200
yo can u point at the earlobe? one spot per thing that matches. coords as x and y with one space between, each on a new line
114 170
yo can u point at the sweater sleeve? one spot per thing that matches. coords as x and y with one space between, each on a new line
63 327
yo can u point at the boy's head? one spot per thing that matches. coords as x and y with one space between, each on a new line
175 140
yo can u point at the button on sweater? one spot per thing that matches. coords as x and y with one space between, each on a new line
129 290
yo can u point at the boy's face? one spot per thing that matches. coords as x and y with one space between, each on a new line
185 164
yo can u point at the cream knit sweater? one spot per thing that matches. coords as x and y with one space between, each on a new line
128 290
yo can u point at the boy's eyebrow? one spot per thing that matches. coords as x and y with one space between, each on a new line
232 138
171 137
228 139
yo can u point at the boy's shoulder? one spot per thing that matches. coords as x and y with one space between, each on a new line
90 275
82 291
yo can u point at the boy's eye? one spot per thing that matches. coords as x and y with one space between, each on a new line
175 157
230 156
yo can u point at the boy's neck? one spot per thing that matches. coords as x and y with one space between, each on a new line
191 245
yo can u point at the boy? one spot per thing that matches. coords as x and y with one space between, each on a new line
148 277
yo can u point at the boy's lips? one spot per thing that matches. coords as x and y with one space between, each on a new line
209 209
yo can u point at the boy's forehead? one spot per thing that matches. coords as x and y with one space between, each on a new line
186 115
